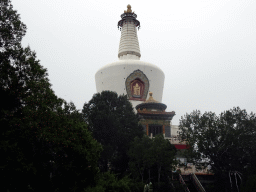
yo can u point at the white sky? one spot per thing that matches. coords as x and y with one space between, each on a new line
207 49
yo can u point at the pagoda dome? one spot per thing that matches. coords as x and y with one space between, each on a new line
151 105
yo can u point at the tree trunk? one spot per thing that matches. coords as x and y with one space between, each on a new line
149 175
159 170
141 173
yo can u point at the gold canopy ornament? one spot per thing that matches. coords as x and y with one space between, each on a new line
129 10
151 99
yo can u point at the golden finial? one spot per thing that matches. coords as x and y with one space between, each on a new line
129 10
151 99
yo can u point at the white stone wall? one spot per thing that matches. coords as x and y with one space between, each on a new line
113 76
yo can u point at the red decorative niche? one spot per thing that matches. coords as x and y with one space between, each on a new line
137 85
137 89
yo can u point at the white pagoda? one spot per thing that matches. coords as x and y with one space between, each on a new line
129 75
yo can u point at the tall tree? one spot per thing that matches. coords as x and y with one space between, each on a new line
43 139
141 156
228 141
164 153
12 31
146 153
114 124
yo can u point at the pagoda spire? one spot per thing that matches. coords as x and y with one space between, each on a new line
129 44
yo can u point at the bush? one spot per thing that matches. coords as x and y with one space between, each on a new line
250 184
108 182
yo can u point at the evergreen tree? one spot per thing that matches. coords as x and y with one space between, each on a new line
45 144
147 154
141 156
164 153
114 124
11 28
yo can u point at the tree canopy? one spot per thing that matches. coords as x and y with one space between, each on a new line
227 141
12 30
149 156
45 144
141 156
114 124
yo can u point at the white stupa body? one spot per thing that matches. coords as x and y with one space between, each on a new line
129 75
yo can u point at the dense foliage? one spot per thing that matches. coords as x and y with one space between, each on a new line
45 144
152 159
114 125
227 142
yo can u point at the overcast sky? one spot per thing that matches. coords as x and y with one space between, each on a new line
207 49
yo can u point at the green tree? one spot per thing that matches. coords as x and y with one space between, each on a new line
227 141
141 156
109 182
45 144
12 30
164 153
114 124
148 153
75 152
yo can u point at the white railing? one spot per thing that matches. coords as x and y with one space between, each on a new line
176 141
172 139
183 183
197 183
